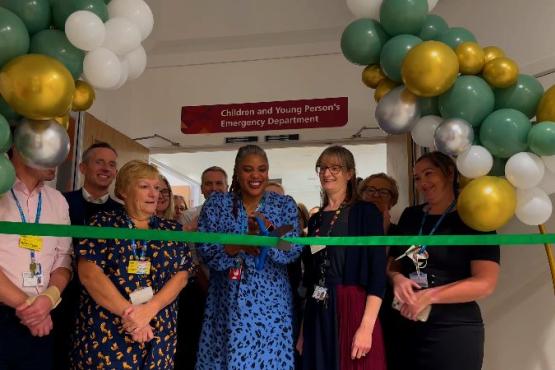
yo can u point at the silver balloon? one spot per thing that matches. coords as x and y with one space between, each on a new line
398 111
42 144
453 136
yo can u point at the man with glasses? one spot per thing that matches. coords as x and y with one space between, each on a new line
99 168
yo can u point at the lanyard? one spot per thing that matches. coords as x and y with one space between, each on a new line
332 222
24 219
134 246
434 229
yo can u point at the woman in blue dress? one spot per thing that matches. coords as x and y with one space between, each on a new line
128 310
248 317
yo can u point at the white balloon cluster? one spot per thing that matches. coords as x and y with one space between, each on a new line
114 50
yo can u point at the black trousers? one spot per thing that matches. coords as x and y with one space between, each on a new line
19 350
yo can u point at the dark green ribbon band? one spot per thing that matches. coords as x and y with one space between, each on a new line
91 232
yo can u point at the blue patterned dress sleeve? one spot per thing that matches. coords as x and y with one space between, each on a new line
289 216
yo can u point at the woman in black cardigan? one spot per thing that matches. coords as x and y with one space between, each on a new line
345 284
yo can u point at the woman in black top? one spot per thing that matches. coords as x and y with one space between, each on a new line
345 284
447 279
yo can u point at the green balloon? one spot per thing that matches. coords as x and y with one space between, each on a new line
7 111
498 168
5 135
524 96
55 44
456 36
428 106
476 140
541 138
433 28
403 16
61 10
14 38
394 52
35 14
8 174
505 132
362 41
470 98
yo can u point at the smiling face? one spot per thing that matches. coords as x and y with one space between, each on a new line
99 169
252 175
378 191
163 197
141 197
434 185
334 175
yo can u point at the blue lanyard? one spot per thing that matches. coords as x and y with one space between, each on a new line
134 246
22 215
434 229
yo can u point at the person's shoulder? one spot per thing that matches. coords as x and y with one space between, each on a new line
363 206
72 194
413 210
165 224
218 199
111 217
54 194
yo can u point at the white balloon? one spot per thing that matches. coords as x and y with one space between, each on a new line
136 61
122 36
549 161
102 68
524 170
533 206
367 8
137 11
85 30
475 162
423 132
124 75
548 182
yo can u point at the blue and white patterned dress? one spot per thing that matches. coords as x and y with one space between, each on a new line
247 323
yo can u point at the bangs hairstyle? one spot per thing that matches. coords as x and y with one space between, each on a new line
131 172
347 160
445 164
394 188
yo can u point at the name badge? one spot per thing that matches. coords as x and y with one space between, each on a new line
30 242
320 293
31 280
420 278
141 295
138 267
235 273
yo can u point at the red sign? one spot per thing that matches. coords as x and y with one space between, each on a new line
266 116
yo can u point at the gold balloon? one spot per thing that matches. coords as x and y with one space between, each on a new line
63 121
84 96
546 107
471 58
487 203
501 72
37 86
385 86
372 75
492 52
430 69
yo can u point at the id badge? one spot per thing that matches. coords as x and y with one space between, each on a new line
138 267
420 278
235 273
320 293
141 295
30 242
316 248
31 280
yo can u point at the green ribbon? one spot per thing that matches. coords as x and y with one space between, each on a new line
91 232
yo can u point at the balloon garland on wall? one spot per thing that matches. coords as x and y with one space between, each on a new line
46 46
438 84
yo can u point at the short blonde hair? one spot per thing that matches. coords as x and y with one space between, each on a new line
131 172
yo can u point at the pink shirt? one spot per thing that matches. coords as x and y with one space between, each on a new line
56 252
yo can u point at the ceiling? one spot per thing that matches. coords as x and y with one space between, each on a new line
216 52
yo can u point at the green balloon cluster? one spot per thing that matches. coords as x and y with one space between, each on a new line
55 44
62 9
505 132
428 106
470 98
394 52
403 16
35 14
456 36
524 96
541 138
5 135
7 111
362 41
433 27
14 38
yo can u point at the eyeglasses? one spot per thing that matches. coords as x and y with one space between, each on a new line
334 170
181 208
165 192
381 192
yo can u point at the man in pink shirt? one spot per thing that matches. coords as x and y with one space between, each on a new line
33 270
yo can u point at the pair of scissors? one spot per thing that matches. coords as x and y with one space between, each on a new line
277 232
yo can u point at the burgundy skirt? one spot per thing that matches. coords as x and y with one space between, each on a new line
351 301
